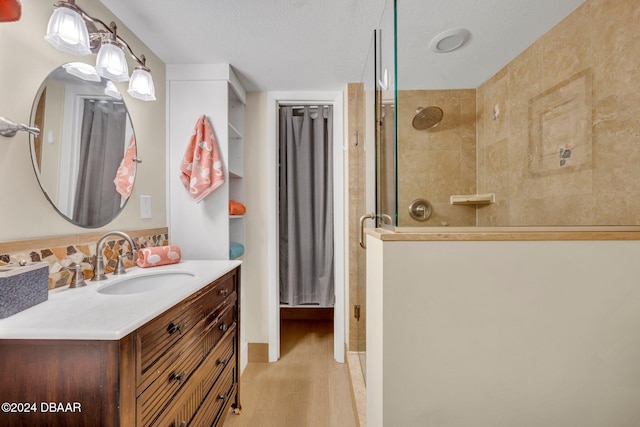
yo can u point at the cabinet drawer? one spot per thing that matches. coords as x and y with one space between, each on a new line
153 400
224 290
155 338
161 341
213 375
226 320
217 401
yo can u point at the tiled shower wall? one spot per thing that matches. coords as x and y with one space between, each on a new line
557 132
357 207
60 252
437 163
559 126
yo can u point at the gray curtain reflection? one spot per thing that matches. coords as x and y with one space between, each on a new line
306 206
101 150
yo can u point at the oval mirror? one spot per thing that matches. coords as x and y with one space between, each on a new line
85 155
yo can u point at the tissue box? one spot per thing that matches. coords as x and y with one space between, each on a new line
22 286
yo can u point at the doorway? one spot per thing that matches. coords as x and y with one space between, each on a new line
305 206
276 100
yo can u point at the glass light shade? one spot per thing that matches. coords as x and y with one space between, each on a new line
111 63
112 90
84 71
68 32
141 85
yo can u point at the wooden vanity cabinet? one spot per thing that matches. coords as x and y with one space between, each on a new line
180 369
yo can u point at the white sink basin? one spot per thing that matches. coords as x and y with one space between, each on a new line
149 282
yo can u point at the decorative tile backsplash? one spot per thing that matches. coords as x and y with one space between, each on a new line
59 258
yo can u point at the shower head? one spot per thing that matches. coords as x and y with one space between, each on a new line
427 118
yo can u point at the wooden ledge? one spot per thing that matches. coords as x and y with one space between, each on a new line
506 233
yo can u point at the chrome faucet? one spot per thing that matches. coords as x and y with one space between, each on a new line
98 268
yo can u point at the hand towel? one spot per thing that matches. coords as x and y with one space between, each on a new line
126 173
201 167
236 250
158 255
236 208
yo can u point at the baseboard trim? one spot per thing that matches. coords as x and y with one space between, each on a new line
258 352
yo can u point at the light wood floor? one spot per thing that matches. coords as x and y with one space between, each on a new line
305 388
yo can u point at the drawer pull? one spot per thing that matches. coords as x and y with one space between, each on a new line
224 327
224 362
222 396
172 328
224 292
179 377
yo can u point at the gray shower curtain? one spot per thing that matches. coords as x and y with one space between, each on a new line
101 149
306 206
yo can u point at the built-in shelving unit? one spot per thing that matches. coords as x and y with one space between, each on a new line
236 163
205 230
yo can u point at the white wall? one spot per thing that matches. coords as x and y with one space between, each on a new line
26 60
200 229
504 334
255 269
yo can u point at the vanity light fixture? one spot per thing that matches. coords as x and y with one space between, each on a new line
68 32
111 63
72 30
141 84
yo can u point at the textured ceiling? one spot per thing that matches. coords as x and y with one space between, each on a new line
323 44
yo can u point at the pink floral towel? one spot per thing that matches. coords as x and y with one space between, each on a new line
201 168
126 172
158 255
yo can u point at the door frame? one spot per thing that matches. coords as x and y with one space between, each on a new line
274 100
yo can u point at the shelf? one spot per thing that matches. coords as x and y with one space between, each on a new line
235 165
473 199
235 158
234 133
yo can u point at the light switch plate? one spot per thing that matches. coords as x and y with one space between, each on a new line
145 207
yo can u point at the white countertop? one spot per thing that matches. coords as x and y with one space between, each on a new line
85 314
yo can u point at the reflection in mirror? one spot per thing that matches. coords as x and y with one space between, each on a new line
84 157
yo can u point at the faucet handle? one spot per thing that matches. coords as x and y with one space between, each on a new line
78 275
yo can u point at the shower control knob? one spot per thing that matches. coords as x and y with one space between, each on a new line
420 209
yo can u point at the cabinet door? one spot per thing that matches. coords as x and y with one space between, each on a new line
64 383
